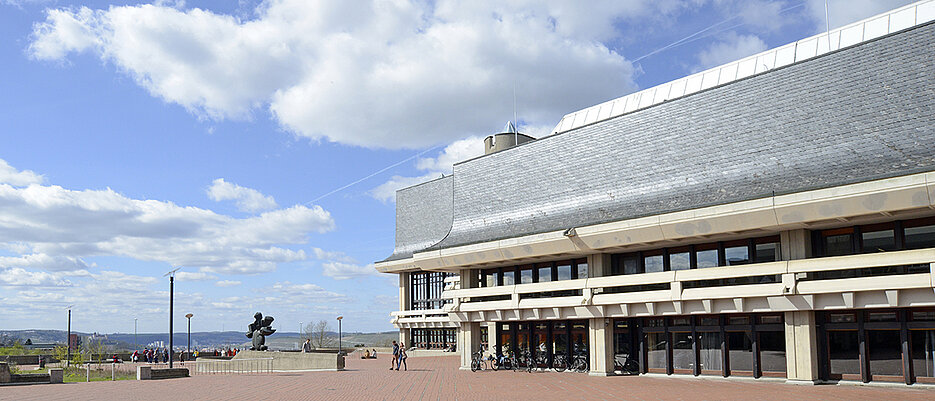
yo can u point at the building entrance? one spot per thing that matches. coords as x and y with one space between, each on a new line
544 340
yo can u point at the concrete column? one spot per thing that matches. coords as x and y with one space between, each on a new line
56 375
403 291
405 337
468 278
468 342
492 339
599 265
801 347
601 347
795 244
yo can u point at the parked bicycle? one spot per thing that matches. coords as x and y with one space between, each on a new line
559 362
477 361
626 365
579 363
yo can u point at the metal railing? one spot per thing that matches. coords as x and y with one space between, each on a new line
232 366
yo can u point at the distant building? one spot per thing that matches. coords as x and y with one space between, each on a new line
771 217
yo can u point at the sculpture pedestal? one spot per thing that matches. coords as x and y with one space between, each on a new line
286 361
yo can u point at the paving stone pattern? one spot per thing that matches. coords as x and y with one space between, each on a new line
438 378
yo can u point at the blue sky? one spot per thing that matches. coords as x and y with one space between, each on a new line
249 142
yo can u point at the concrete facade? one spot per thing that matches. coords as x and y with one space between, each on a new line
800 168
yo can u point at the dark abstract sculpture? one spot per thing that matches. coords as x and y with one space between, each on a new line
258 330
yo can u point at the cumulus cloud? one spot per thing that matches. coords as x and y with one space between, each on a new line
227 283
45 262
730 48
433 167
17 178
373 74
55 227
193 276
247 199
20 277
344 271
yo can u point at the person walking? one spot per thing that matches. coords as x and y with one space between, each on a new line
307 347
395 362
402 357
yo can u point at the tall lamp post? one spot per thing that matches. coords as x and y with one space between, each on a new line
339 334
68 339
189 347
171 275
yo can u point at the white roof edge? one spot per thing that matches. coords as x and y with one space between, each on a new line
852 34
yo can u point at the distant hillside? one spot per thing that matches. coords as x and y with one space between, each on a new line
211 339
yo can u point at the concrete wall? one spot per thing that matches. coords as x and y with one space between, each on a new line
283 361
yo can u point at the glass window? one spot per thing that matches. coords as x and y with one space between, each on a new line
679 259
772 351
706 256
838 242
630 264
491 278
736 253
843 352
679 321
920 234
564 271
878 238
923 315
509 276
559 338
652 263
655 322
525 276
738 320
522 338
709 349
682 355
770 319
545 273
885 352
842 318
582 266
579 338
766 249
709 321
923 352
740 351
881 316
506 339
656 350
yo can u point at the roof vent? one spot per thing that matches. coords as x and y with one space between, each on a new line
506 139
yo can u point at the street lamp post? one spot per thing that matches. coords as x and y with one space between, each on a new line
189 347
171 275
339 333
68 339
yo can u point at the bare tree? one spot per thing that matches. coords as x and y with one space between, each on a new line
318 334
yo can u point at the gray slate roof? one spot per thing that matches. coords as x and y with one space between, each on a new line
858 114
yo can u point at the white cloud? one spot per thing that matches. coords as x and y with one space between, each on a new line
731 47
374 74
45 262
193 276
227 283
18 276
14 177
433 167
344 271
56 227
247 199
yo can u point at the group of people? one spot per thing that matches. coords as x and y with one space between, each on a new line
151 355
399 356
369 354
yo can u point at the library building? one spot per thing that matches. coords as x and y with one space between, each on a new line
770 218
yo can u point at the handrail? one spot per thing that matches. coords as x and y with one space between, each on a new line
233 366
787 269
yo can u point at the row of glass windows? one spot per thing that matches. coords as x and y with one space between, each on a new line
722 345
729 253
889 345
534 273
425 290
433 338
893 236
543 339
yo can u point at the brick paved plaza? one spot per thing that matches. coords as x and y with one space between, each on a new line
437 378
